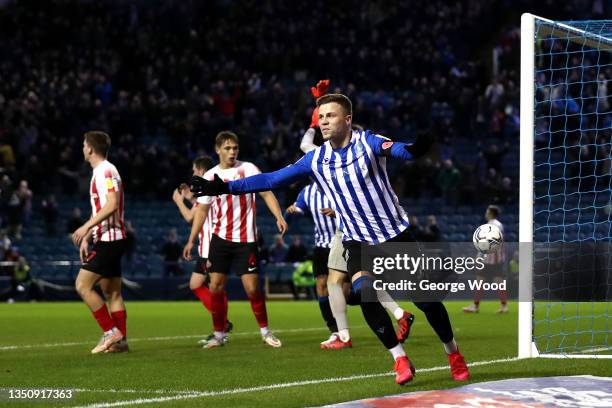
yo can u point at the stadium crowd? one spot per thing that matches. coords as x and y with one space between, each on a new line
164 80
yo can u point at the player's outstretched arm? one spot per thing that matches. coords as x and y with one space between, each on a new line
253 184
383 146
111 205
199 216
274 207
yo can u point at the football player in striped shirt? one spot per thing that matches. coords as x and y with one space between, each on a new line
337 265
494 266
310 199
102 264
198 283
350 167
234 238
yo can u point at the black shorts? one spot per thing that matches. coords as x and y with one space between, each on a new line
492 271
353 249
223 254
105 258
200 266
319 261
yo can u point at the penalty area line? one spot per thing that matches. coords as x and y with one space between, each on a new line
234 391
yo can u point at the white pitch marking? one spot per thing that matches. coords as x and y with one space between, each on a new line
234 391
164 338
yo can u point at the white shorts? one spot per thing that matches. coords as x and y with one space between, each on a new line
337 254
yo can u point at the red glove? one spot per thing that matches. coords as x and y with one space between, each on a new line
314 121
321 88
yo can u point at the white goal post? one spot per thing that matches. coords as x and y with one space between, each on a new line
582 328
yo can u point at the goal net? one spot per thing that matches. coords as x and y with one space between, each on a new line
565 229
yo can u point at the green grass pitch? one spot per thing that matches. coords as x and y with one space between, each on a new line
47 345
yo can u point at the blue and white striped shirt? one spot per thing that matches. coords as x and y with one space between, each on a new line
354 178
313 200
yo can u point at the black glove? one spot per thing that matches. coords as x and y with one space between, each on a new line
420 146
201 187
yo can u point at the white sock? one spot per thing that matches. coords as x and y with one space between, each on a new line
397 351
219 334
344 335
451 346
388 303
264 330
337 303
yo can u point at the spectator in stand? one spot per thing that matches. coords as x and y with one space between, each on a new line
431 232
297 251
494 156
415 228
507 193
278 250
24 194
171 252
449 181
50 212
10 255
494 93
264 256
490 185
15 215
5 243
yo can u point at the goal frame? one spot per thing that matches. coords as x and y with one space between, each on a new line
526 346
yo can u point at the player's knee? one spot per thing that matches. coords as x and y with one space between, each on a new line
81 288
195 283
251 291
322 285
336 277
113 296
216 287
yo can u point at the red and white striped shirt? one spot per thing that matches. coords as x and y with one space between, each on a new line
205 234
500 255
105 180
234 218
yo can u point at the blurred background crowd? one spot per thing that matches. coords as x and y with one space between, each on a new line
164 79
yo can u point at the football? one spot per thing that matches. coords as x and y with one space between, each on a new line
487 238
